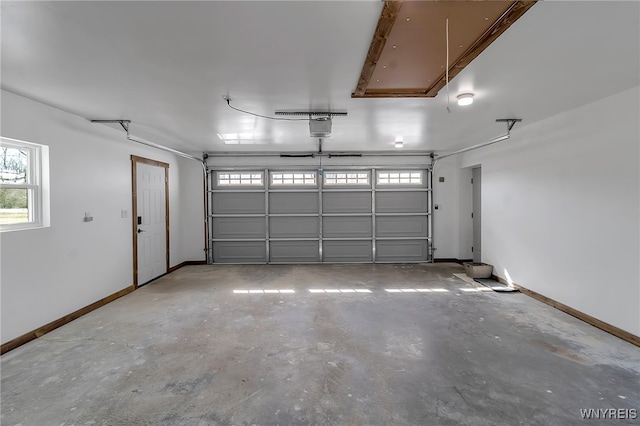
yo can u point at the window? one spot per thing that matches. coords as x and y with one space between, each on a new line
346 178
22 193
293 178
242 179
391 178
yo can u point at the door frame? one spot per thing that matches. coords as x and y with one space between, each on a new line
476 208
134 208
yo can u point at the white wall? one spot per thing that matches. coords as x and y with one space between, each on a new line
561 208
447 217
465 223
191 208
50 272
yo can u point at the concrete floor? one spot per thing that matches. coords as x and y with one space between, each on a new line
187 350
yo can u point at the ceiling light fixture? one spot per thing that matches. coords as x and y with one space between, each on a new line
399 142
465 99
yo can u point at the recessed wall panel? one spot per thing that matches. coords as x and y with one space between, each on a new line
238 227
401 226
293 202
237 203
294 251
239 252
402 202
293 227
401 251
346 202
346 227
346 251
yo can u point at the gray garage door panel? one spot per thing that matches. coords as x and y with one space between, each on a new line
401 226
239 252
346 202
346 251
294 251
290 223
346 227
237 203
402 202
293 202
293 227
238 227
401 251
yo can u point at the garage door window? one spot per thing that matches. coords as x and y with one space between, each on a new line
293 178
346 178
400 178
239 179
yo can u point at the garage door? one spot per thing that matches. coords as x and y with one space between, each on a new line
302 216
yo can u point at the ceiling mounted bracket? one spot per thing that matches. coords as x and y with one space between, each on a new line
124 123
510 122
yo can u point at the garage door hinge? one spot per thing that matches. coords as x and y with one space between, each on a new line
471 249
471 215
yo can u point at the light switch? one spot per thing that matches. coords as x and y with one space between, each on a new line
124 214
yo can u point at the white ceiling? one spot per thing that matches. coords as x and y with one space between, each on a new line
167 65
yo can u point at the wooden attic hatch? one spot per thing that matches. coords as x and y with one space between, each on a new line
407 55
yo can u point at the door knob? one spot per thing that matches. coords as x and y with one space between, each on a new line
140 230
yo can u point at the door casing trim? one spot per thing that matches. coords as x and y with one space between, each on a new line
134 208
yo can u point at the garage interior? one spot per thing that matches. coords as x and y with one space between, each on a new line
258 212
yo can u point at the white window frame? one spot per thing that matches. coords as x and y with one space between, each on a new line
242 179
37 184
340 178
400 177
293 178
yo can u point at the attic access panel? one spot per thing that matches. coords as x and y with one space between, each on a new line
407 55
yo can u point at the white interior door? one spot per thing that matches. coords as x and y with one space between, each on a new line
477 214
151 220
